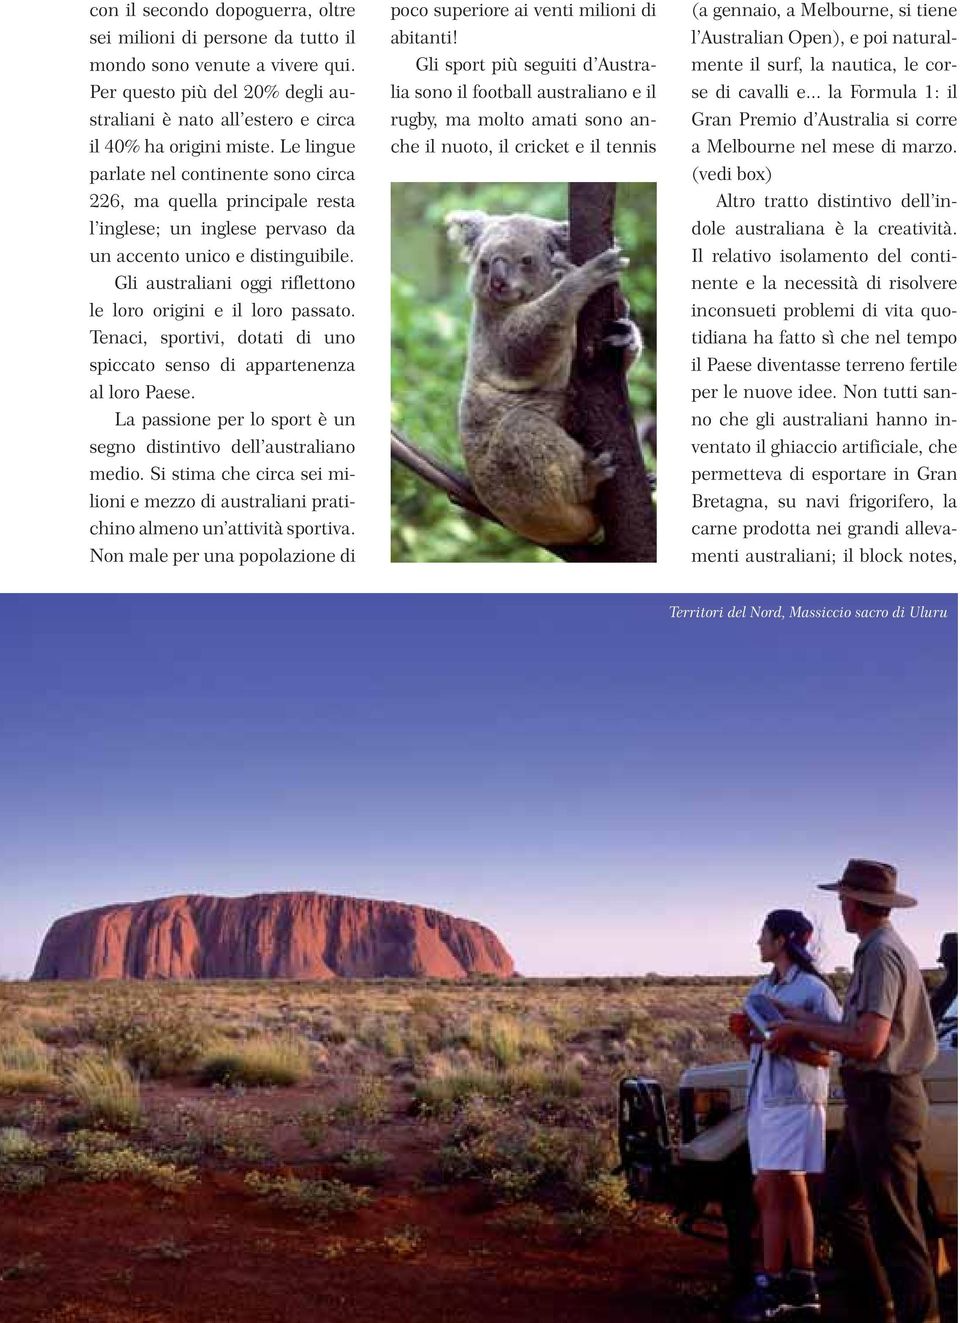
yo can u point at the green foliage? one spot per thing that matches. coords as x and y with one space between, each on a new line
21 1161
17 1146
156 1037
314 1123
431 314
95 1156
404 1242
516 1159
364 1163
318 1199
369 1104
198 1128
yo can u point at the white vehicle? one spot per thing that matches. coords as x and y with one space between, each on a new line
710 1167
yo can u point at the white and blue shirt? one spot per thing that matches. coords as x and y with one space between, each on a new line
779 1079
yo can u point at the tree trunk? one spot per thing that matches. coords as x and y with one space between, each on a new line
603 420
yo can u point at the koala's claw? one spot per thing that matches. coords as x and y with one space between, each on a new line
601 467
623 335
606 266
620 333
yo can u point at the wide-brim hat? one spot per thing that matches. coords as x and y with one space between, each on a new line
872 882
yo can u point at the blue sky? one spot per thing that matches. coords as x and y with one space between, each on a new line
612 790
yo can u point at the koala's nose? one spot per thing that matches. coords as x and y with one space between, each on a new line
498 275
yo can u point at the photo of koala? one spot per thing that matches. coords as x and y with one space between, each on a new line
527 296
517 431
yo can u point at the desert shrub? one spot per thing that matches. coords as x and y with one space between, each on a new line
30 1265
99 1157
403 1243
629 1024
153 1035
318 1199
330 1028
107 1092
25 1065
385 1036
608 1195
523 1219
17 1146
199 1127
21 1161
516 1158
369 1103
367 1164
426 1003
21 1177
281 1059
32 1116
583 1224
314 1123
511 1186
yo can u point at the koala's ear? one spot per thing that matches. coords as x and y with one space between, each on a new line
466 228
558 237
558 244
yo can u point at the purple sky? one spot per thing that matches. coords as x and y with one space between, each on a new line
611 789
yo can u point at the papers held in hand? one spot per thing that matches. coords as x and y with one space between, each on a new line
763 1013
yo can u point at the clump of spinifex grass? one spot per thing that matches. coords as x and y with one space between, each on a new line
107 1091
319 1199
25 1065
450 1088
265 1059
506 1038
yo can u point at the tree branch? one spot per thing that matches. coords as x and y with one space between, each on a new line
458 489
603 419
438 474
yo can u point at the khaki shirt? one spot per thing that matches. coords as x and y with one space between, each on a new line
887 981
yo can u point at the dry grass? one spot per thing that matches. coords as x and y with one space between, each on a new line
279 1059
508 1085
107 1092
25 1064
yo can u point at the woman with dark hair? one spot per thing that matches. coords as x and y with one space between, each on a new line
786 1126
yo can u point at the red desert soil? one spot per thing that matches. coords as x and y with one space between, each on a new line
127 1254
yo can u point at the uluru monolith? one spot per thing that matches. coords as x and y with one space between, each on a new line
287 934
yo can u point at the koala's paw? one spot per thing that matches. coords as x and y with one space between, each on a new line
623 336
599 468
605 267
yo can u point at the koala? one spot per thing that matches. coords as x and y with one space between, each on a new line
527 295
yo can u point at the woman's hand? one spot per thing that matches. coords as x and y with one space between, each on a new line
782 1037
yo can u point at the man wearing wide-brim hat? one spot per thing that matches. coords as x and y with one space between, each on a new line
886 1040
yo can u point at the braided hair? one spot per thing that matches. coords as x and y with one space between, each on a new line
796 930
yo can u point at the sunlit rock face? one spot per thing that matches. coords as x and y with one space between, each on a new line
295 934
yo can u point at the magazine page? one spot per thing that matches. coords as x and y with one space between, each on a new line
512 875
206 325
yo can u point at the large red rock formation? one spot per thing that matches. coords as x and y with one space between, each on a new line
293 934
